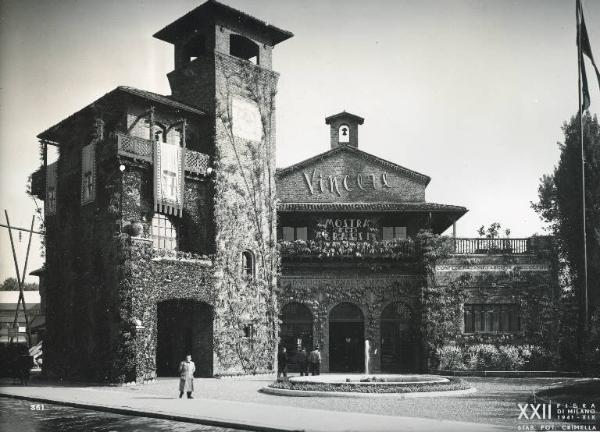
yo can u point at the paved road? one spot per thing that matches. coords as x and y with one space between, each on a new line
239 399
495 401
17 415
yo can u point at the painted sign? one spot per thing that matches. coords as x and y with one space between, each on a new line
246 119
360 229
318 182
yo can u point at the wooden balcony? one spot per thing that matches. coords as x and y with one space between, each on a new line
501 246
142 149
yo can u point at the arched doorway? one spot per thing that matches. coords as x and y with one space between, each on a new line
398 347
346 338
296 331
184 327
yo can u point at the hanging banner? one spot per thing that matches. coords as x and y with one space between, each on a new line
88 173
168 178
51 181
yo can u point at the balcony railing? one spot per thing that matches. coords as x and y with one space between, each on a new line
143 149
492 246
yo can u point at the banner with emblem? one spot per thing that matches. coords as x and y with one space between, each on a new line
88 173
51 182
168 178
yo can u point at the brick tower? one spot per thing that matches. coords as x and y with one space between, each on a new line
223 66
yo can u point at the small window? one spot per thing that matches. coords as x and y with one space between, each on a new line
248 264
295 233
491 318
391 233
344 134
164 233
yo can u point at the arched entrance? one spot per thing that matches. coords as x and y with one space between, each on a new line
296 331
398 347
184 327
346 339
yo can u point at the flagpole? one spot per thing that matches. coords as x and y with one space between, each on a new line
579 13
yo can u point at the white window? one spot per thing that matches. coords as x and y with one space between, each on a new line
391 233
164 233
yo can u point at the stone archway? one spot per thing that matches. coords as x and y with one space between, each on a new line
184 327
398 347
346 338
296 331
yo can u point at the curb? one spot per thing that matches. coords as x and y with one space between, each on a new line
507 374
314 393
153 414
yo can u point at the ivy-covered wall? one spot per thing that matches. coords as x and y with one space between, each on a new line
370 286
436 285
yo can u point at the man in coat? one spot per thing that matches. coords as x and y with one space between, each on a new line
302 360
186 377
314 358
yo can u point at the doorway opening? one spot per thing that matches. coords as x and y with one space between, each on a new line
398 341
184 327
346 339
296 332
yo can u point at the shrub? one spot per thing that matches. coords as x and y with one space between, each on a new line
483 357
451 384
510 358
451 357
535 357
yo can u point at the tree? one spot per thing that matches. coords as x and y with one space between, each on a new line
11 284
560 205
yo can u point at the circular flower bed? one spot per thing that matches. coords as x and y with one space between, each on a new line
449 384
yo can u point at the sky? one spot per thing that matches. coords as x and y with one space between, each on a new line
472 93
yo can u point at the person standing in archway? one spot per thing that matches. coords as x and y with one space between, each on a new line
282 363
186 377
314 358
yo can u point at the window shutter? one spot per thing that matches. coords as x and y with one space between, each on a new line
288 233
301 233
388 233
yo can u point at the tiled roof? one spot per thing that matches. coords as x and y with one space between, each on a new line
344 115
51 133
368 207
165 100
172 32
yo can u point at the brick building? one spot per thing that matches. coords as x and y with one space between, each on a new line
164 234
351 269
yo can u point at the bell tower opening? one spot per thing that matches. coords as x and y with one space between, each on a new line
344 129
244 48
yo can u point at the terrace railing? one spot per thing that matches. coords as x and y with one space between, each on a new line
143 149
492 246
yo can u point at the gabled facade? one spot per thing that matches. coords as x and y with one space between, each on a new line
353 280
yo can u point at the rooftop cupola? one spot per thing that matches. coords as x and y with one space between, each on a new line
344 129
215 27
